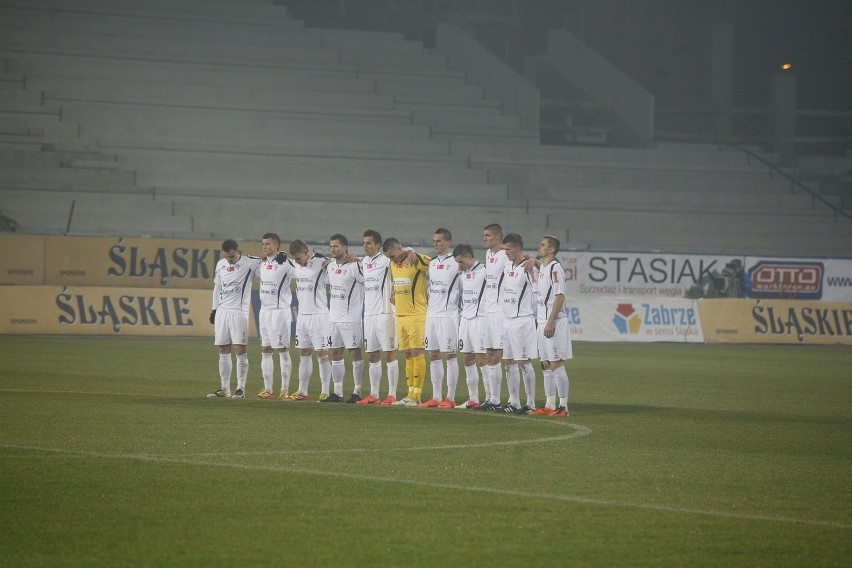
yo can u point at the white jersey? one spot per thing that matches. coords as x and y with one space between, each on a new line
274 279
378 284
232 283
517 294
346 284
551 283
443 287
473 284
495 263
311 282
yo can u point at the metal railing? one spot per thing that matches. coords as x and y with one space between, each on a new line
838 212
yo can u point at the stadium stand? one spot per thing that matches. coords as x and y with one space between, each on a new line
196 119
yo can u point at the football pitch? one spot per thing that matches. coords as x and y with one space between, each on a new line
674 455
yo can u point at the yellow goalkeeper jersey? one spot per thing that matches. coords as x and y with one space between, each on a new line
410 286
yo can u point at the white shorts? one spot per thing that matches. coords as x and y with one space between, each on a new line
520 339
494 330
558 347
274 327
312 331
349 335
380 333
442 334
231 327
472 335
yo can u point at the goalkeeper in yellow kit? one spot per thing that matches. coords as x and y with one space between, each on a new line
409 274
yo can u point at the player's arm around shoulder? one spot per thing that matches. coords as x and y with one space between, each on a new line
422 263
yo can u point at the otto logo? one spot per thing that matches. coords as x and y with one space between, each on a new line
787 279
627 319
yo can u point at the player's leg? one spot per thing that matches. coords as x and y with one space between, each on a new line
355 337
436 363
281 342
336 345
222 340
241 323
267 366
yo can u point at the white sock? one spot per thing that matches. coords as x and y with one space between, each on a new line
324 373
496 384
561 376
306 369
393 377
358 375
513 385
436 369
375 378
267 368
337 372
452 378
486 381
242 371
286 369
472 374
550 389
225 368
529 383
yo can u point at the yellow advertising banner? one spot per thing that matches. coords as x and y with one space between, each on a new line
46 310
799 322
21 259
104 261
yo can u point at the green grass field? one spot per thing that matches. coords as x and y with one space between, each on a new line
674 455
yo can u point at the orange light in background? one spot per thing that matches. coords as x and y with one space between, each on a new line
786 66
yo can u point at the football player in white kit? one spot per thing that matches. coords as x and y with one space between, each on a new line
520 345
554 334
312 318
472 325
345 322
442 320
230 315
379 320
495 261
275 318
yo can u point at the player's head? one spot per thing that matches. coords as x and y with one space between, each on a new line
393 249
492 236
231 250
338 245
300 252
441 240
548 247
464 256
372 242
270 243
512 244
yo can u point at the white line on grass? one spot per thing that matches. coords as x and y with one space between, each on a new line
579 431
444 486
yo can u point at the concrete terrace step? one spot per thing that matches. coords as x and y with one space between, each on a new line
224 171
239 128
435 106
329 147
670 225
638 179
45 126
662 200
11 38
710 156
155 27
55 88
47 158
199 11
62 177
74 106
84 69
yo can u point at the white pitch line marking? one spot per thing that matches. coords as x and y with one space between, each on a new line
443 486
